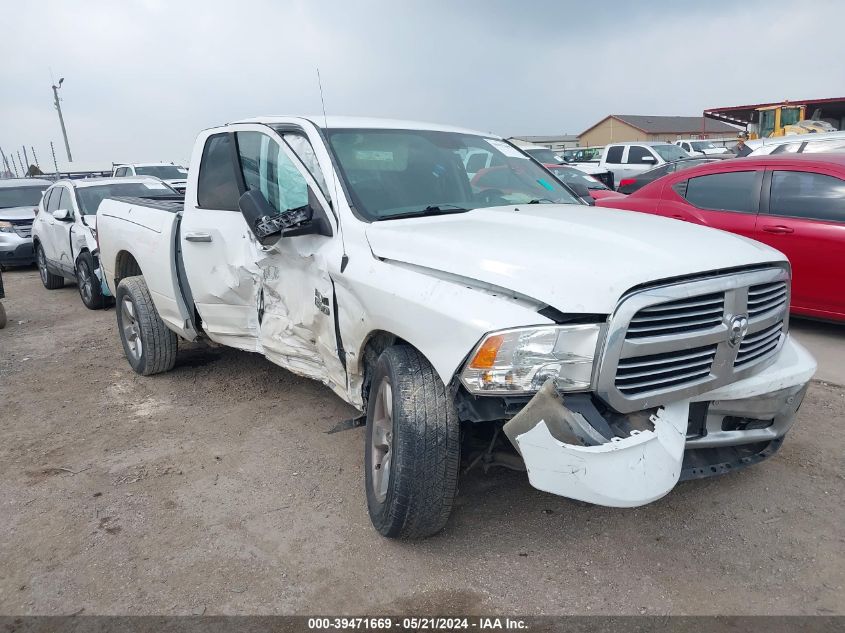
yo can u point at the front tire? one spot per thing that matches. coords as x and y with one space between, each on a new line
50 281
88 283
412 450
2 316
149 346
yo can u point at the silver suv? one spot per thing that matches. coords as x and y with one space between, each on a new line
19 198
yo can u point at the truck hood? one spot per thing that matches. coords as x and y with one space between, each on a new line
575 258
18 213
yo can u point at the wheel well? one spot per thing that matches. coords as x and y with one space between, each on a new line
375 343
125 266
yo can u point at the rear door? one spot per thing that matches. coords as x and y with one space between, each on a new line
727 200
803 216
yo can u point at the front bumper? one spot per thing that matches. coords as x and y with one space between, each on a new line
16 250
636 459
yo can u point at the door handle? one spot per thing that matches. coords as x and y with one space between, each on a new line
197 237
679 217
778 229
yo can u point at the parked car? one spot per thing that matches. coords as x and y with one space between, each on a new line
538 152
633 183
700 147
794 203
65 230
569 175
19 199
174 175
800 144
626 160
583 154
358 253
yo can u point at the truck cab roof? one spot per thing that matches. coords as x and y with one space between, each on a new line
353 122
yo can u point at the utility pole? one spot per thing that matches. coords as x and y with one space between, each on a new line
5 162
61 118
55 164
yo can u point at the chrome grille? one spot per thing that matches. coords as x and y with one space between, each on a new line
757 346
643 374
687 338
766 297
22 227
683 315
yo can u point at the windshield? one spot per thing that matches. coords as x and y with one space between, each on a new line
391 173
542 155
670 152
21 196
89 198
572 176
700 145
165 172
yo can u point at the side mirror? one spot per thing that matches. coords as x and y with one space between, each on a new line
648 159
583 192
63 215
268 225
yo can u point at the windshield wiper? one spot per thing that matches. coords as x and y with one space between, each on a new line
434 209
541 201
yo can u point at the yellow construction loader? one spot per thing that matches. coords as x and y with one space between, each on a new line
786 118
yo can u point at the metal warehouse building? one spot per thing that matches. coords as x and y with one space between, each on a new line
617 128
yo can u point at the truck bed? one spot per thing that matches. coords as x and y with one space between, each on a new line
146 230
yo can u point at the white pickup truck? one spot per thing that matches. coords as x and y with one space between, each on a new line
630 159
610 354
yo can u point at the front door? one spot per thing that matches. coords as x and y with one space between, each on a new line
218 250
804 218
60 232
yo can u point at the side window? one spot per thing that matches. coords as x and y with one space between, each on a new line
801 194
266 168
301 146
47 195
732 191
636 153
685 146
216 186
64 200
614 154
120 172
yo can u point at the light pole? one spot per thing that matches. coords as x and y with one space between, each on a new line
61 119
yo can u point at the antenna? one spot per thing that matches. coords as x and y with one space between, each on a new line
344 260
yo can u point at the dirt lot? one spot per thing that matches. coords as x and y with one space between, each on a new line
215 489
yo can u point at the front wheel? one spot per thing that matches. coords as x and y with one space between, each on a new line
50 281
88 283
412 451
2 316
149 346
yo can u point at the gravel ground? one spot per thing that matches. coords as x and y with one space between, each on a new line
216 489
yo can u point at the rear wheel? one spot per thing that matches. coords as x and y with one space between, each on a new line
50 281
2 316
88 283
149 346
412 451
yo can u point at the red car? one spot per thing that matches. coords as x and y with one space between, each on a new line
794 203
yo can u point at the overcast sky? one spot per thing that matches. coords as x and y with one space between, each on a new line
142 77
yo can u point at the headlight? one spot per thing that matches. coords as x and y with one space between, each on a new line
521 360
6 227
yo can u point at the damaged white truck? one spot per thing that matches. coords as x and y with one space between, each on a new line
609 354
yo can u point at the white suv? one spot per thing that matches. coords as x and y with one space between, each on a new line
64 233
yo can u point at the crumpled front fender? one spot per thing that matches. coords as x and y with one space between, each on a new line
619 472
